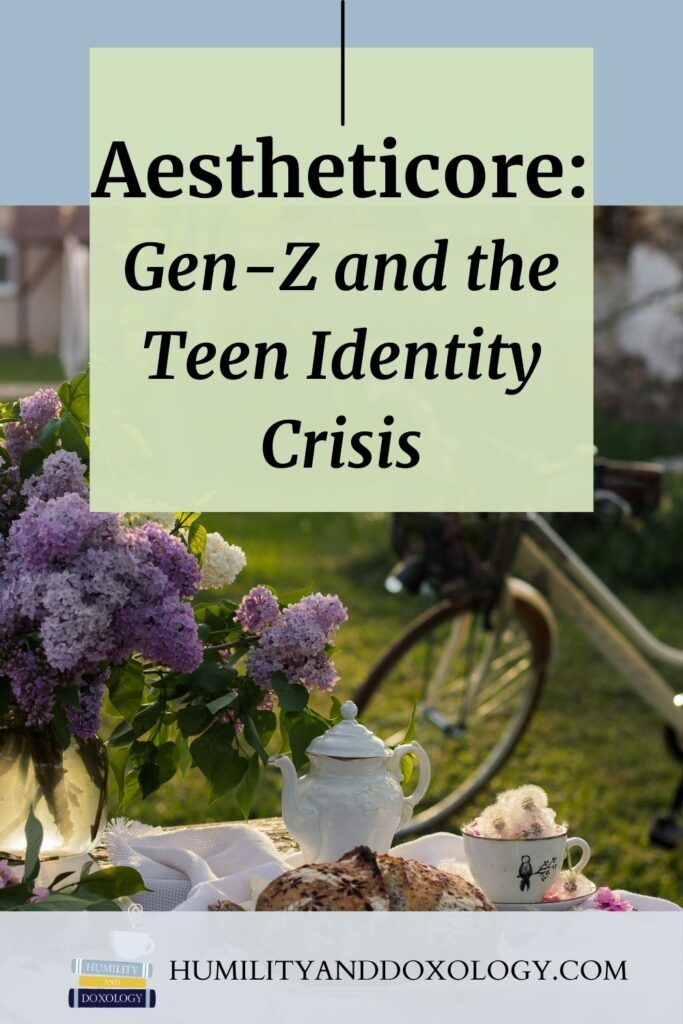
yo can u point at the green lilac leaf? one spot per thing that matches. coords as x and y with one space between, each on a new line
31 463
212 676
244 793
121 736
226 701
291 696
301 733
196 541
193 719
34 841
126 685
113 882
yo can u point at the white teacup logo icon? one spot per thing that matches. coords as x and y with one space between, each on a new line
131 945
520 870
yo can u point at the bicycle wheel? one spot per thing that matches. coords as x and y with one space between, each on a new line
474 677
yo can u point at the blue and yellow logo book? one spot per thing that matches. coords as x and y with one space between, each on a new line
107 984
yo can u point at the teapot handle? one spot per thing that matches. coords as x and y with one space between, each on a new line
409 802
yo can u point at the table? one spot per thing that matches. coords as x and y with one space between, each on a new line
272 827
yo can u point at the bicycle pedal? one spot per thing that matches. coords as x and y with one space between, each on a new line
666 832
448 728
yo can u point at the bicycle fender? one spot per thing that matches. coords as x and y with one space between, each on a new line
526 592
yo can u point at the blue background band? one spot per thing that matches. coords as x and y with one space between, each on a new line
639 72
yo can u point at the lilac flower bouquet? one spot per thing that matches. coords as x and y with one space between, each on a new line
130 610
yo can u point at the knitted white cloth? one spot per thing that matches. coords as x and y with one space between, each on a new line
188 869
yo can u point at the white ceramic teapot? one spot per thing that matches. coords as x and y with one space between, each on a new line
352 794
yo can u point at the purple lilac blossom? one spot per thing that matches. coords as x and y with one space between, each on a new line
164 631
229 717
17 441
11 501
172 558
7 876
51 534
62 473
33 684
84 721
258 610
40 893
92 593
605 899
295 644
36 410
326 610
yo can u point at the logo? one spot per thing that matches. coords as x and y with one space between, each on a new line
111 983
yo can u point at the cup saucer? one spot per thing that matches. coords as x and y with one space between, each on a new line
562 903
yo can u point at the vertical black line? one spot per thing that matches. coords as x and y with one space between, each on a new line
342 61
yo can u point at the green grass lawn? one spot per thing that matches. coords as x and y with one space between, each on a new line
617 439
592 744
17 367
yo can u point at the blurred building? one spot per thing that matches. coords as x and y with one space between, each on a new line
44 281
639 313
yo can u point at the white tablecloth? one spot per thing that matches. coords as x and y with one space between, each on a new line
189 869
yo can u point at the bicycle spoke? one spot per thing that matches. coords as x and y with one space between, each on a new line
457 639
455 689
500 681
494 710
505 689
511 655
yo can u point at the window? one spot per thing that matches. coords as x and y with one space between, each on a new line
8 268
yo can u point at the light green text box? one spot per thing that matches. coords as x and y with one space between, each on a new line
183 443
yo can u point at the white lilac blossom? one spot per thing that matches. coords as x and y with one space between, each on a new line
222 563
133 519
517 814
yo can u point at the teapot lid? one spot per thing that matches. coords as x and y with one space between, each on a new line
348 738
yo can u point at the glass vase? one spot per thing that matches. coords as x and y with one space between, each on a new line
67 790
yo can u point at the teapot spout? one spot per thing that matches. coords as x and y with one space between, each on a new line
300 816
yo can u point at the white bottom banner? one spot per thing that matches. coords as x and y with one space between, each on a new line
335 967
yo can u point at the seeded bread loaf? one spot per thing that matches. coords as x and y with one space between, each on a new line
363 880
352 883
225 905
413 885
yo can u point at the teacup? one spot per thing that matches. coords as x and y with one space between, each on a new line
520 870
131 945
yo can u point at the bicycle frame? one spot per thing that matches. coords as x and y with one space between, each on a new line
545 560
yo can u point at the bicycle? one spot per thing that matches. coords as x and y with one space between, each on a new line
472 667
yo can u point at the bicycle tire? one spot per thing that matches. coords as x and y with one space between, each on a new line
540 630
